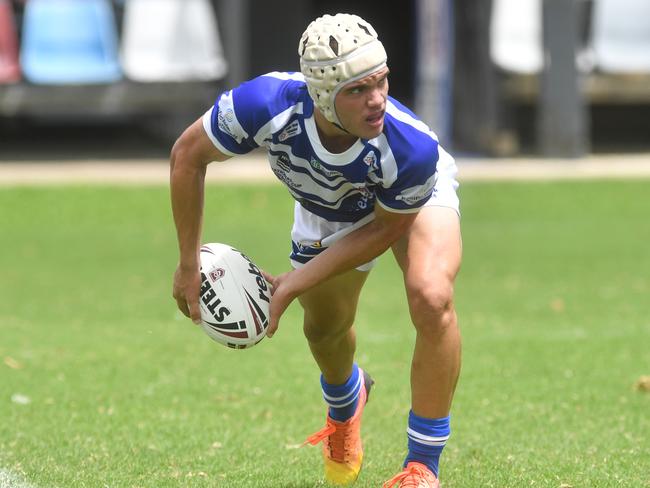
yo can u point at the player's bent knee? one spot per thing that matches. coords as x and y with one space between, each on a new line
431 306
327 328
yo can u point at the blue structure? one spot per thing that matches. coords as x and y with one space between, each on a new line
70 42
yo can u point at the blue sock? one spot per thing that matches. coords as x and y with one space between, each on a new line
426 440
343 399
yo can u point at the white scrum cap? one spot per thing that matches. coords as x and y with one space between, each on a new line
334 51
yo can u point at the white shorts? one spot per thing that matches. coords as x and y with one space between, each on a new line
312 234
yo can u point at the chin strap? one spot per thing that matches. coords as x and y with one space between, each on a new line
341 127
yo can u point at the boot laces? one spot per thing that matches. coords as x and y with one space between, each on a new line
410 477
339 441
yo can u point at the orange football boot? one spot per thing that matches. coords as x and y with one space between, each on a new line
342 447
415 475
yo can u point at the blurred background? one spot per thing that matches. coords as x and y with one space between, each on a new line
495 78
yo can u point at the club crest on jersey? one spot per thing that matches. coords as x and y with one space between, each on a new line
293 129
370 159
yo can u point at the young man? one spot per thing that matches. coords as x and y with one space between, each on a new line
367 176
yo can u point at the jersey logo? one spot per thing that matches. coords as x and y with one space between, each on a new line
227 120
283 162
319 167
370 159
283 177
304 246
293 129
416 193
366 197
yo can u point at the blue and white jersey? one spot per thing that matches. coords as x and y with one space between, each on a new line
397 169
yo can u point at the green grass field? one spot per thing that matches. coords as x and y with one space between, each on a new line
104 384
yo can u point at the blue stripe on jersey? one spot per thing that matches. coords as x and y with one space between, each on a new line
397 168
284 163
335 216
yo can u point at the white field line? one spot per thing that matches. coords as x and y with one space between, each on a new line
254 169
9 479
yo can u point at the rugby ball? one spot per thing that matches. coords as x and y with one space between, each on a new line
234 297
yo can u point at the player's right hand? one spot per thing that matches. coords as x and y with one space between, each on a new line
187 283
281 298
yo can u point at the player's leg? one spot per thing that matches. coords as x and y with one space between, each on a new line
429 256
330 309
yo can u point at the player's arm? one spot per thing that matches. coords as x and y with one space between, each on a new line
358 247
191 154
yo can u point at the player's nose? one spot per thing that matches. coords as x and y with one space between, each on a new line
376 98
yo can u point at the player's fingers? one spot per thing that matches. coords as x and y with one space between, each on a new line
268 277
195 312
273 326
276 310
270 280
182 306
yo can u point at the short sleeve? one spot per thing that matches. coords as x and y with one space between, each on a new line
238 114
241 118
409 179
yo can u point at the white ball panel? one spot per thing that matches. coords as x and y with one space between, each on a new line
234 297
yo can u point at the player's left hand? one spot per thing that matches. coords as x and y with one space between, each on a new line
281 298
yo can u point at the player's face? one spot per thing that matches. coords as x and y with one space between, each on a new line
361 105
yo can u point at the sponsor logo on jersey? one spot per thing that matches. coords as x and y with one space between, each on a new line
366 195
293 129
363 189
282 176
412 199
227 120
283 162
414 194
319 167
